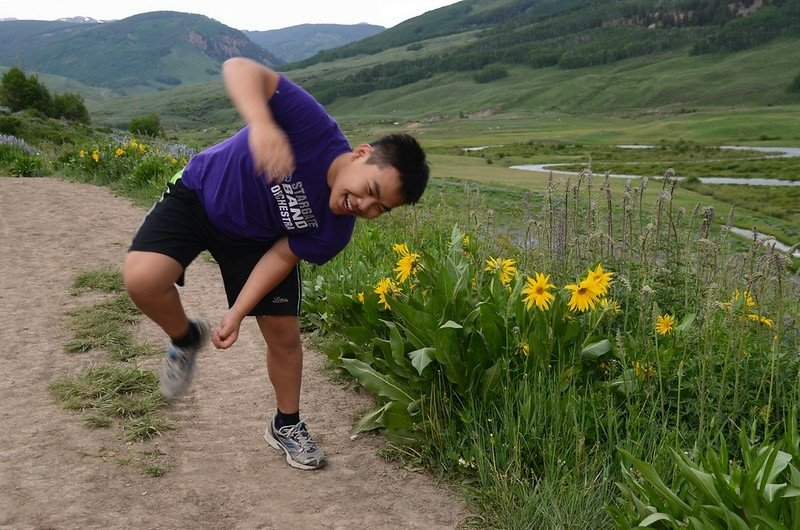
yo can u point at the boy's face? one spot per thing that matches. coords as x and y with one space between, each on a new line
365 190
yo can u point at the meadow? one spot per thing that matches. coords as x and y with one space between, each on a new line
572 351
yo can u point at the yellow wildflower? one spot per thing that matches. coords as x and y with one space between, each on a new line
612 306
748 298
96 155
505 269
537 292
386 287
119 152
601 278
408 264
360 297
643 371
524 348
763 320
584 295
665 324
82 153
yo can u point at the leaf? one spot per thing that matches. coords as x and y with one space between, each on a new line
734 522
647 521
769 522
398 349
377 383
596 349
700 479
777 462
773 490
626 383
450 325
396 417
687 322
490 377
421 358
651 475
791 491
368 422
447 351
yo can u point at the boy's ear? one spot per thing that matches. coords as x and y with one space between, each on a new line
362 150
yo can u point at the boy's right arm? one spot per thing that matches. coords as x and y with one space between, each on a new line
250 86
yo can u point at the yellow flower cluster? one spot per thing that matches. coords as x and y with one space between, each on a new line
408 264
587 292
746 301
505 268
386 289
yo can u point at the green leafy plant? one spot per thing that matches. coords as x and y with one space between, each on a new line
760 491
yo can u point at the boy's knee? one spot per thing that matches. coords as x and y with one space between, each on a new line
280 333
142 275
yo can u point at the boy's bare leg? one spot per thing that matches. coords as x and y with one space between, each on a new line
150 281
284 359
285 367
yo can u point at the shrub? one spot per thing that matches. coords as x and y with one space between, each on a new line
9 124
489 74
19 92
794 86
71 107
149 125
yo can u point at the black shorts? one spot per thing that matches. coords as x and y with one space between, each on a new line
177 226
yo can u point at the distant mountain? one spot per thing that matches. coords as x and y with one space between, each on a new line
300 42
151 51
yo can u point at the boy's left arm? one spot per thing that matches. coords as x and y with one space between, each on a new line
273 267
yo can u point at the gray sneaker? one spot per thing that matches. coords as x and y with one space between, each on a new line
294 440
178 369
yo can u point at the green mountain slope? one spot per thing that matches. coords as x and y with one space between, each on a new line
567 34
626 58
142 53
300 42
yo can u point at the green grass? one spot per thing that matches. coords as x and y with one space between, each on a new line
104 325
113 394
108 280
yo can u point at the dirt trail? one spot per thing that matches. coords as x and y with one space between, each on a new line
52 470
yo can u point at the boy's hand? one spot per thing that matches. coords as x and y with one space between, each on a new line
227 332
272 152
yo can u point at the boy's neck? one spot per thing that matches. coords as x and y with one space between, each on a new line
335 168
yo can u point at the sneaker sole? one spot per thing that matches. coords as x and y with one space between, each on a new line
297 465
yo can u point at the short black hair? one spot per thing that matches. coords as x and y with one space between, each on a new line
403 152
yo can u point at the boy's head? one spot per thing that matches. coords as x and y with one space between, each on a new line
402 152
377 177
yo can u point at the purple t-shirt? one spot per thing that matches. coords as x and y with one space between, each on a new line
244 205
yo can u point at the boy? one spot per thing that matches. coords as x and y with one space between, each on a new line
284 188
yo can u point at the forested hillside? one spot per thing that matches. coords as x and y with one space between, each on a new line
568 34
144 52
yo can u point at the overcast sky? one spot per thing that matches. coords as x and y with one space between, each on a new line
239 14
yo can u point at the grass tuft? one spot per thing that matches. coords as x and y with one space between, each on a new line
127 394
108 280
